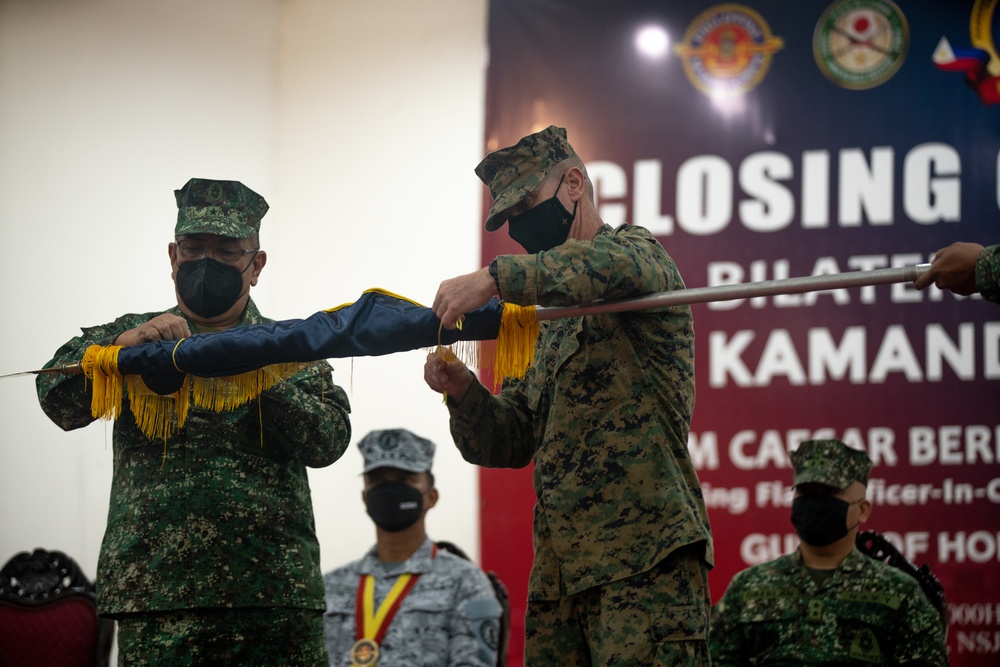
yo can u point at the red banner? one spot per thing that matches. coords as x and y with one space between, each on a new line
757 142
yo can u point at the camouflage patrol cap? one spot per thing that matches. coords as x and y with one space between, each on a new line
830 462
224 208
396 448
513 173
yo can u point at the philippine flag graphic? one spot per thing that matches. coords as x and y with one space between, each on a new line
973 62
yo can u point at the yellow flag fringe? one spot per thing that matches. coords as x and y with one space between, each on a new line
100 366
160 416
515 348
225 393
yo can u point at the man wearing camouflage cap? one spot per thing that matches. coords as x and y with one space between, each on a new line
620 524
210 554
827 603
441 609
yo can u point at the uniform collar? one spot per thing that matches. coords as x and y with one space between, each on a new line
419 563
855 561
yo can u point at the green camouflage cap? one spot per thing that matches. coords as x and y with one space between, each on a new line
514 173
396 448
224 208
830 462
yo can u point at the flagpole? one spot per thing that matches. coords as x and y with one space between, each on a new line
689 296
901 274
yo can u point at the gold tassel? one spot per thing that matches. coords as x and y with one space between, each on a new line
100 366
515 348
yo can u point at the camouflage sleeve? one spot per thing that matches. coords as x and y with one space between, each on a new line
475 627
626 263
920 637
494 431
725 643
307 416
65 399
988 273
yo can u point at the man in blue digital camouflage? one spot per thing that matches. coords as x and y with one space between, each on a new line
621 534
965 268
827 603
210 554
407 603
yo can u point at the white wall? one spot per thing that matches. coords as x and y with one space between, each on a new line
381 108
360 121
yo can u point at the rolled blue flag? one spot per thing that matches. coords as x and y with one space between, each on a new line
378 323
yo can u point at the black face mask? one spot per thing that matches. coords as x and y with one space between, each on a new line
209 287
820 519
543 227
394 506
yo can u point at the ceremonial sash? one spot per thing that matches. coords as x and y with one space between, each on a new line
370 624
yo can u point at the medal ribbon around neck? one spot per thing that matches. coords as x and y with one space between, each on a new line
370 623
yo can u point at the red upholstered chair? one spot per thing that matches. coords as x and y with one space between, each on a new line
48 616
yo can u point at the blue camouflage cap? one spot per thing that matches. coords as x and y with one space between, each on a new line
224 208
513 173
830 462
396 448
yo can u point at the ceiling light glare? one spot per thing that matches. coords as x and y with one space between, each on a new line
652 42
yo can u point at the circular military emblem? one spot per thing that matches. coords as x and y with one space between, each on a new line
727 49
860 44
214 192
489 632
364 653
389 441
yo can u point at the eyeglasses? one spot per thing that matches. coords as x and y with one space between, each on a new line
192 250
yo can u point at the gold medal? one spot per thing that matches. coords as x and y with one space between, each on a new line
364 653
371 623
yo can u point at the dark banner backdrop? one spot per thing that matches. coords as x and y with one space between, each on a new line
774 139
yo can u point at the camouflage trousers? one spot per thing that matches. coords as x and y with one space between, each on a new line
202 637
656 618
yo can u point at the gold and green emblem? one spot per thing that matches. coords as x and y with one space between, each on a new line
860 44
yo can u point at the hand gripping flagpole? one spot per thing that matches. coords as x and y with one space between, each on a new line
901 274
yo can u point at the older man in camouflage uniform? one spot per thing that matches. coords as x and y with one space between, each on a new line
965 268
210 553
827 603
621 534
442 610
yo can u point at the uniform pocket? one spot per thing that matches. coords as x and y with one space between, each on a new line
672 624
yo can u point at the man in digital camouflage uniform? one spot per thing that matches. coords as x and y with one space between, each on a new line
965 268
449 617
210 553
827 603
621 534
